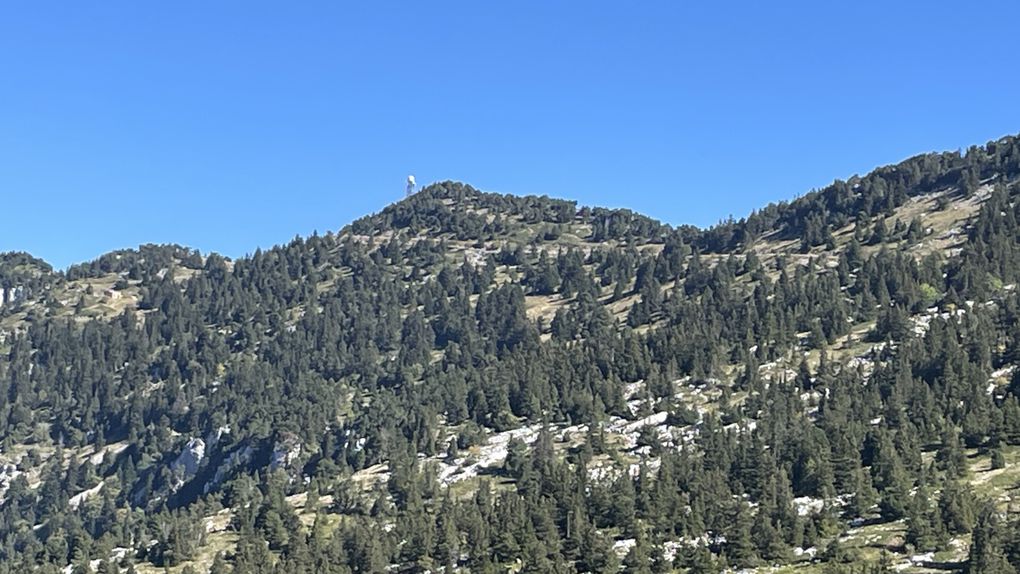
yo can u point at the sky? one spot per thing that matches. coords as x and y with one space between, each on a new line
231 125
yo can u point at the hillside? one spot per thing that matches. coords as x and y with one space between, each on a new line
473 382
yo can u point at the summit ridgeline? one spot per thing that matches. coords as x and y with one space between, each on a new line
476 382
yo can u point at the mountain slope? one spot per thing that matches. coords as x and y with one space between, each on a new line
469 381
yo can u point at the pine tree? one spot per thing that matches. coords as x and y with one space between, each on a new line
921 526
739 547
219 565
986 550
639 558
957 508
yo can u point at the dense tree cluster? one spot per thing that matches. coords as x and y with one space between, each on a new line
376 345
21 278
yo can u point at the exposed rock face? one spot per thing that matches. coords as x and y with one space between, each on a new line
75 501
190 459
8 472
11 295
215 436
286 450
233 460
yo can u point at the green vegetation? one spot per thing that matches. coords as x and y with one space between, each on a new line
482 383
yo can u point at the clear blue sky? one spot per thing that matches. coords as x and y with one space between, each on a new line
230 125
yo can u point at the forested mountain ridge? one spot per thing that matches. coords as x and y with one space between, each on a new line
477 382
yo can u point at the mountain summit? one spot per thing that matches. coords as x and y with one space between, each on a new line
474 382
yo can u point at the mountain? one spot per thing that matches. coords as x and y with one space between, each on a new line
475 382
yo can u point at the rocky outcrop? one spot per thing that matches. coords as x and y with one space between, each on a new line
286 450
235 459
190 459
8 472
11 295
